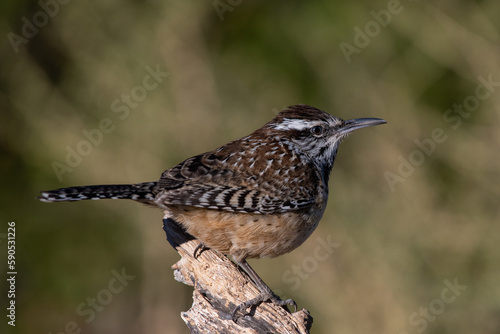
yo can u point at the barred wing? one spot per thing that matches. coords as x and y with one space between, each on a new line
205 181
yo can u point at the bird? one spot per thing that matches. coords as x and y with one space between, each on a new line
255 197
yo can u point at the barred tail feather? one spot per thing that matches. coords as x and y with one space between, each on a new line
143 192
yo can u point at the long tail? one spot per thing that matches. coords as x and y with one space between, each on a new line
142 192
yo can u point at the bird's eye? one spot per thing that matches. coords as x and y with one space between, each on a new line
317 130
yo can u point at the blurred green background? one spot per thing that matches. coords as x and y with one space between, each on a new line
414 203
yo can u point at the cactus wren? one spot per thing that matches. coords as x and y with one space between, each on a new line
258 196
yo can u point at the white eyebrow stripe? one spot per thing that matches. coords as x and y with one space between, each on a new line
295 124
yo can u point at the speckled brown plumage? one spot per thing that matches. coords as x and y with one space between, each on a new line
258 196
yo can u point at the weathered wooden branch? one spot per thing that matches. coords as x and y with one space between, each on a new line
219 286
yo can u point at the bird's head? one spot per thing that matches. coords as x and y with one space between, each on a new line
315 133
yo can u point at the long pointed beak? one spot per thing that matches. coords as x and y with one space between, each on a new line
359 123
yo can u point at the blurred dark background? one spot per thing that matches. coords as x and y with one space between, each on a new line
412 222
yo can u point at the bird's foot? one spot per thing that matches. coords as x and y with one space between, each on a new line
199 249
262 297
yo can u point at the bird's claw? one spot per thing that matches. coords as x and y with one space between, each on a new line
260 299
